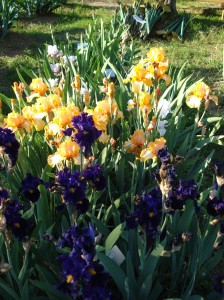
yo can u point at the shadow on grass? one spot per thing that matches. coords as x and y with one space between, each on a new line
56 18
207 22
203 24
18 43
90 6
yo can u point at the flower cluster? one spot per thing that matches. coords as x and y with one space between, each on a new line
82 276
73 185
9 145
154 67
149 72
105 112
137 143
147 213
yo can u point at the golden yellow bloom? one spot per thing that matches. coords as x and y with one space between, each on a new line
160 71
34 117
105 108
136 86
100 120
157 145
144 99
51 129
43 105
38 86
201 92
146 154
138 138
16 121
54 100
63 115
156 55
135 144
68 149
152 149
138 73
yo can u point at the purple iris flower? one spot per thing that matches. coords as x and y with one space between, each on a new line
95 176
87 132
14 221
81 273
215 207
164 155
9 144
29 187
147 213
73 188
80 240
179 194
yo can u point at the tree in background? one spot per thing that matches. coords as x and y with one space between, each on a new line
170 3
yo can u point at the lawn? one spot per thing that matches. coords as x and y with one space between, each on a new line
202 49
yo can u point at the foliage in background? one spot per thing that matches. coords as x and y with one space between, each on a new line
8 14
141 20
39 7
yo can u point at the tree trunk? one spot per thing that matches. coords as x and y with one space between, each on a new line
170 3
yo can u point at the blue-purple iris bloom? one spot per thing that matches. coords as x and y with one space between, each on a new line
95 176
179 194
81 273
80 240
9 144
164 155
3 194
73 188
215 207
147 213
29 187
87 132
14 221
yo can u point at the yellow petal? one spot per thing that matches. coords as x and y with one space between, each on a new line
214 98
54 159
146 154
167 79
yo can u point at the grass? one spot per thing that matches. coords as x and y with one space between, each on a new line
202 49
21 44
